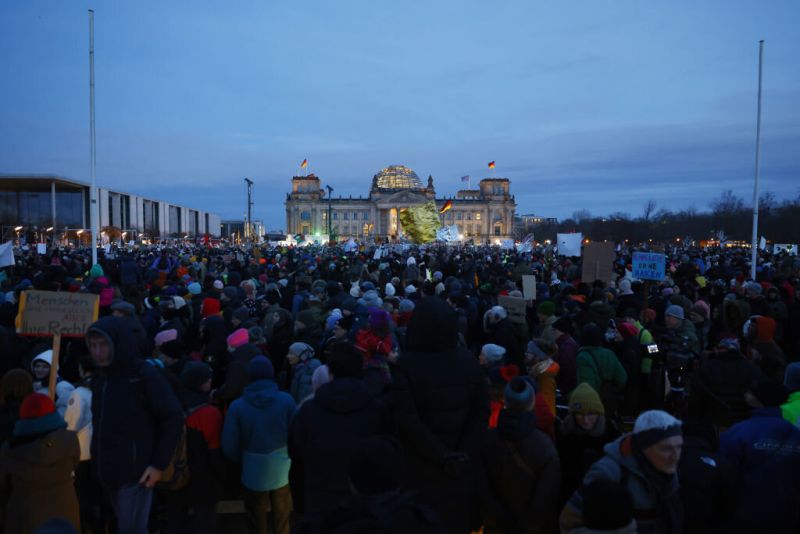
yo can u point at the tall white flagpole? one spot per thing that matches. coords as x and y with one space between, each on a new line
93 207
754 249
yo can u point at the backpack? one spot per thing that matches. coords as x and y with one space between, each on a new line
608 391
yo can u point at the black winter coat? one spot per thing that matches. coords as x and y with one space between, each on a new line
524 477
135 415
707 487
321 437
719 386
441 403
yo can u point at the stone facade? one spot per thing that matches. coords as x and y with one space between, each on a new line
482 214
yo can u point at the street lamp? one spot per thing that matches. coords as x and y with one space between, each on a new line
330 190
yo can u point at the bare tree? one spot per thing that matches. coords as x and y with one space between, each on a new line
727 203
581 215
648 210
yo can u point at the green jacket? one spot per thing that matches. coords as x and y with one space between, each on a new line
597 365
791 410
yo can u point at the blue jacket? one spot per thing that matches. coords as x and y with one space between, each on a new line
256 433
765 450
301 379
136 417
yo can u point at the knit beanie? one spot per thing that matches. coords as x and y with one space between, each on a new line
195 288
260 368
389 290
410 289
16 384
546 308
219 285
378 319
584 400
195 374
304 351
791 378
96 271
519 395
165 336
627 330
674 311
494 353
333 319
210 306
238 338
37 415
406 306
653 426
498 313
320 377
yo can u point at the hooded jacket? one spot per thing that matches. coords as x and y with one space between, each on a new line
63 388
136 417
341 413
256 433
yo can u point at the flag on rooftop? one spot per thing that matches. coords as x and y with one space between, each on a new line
491 164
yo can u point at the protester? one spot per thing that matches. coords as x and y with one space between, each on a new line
41 366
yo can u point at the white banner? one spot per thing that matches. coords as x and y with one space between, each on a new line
7 254
569 244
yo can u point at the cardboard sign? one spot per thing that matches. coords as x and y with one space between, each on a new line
649 266
515 307
52 313
528 287
598 262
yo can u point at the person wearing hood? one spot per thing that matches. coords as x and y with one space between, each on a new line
764 449
40 367
121 308
327 427
303 362
543 369
240 352
441 405
278 341
522 466
36 468
214 346
136 422
646 463
255 436
581 437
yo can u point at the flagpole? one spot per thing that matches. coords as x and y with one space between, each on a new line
754 249
93 206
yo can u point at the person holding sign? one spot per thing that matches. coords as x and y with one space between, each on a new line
41 367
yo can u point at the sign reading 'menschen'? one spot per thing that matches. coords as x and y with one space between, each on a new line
50 313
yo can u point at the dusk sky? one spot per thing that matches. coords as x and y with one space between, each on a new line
597 104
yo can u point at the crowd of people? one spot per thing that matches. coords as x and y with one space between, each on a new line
397 390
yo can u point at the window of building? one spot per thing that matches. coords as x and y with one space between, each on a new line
305 215
366 215
469 215
478 216
497 230
335 216
346 216
458 215
305 230
355 215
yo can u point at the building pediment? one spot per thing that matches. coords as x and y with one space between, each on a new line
400 198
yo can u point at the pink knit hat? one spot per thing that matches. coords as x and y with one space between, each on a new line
238 338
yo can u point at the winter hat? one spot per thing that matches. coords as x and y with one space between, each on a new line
209 307
411 261
546 308
195 374
769 392
96 271
625 287
389 290
791 379
406 306
242 314
16 384
238 338
653 426
165 336
498 313
260 368
667 291
584 399
355 291
702 308
627 330
410 289
534 349
376 466
37 415
46 357
219 285
231 293
320 377
371 299
367 285
674 311
195 288
304 351
519 395
256 335
607 507
493 353
124 307
378 318
729 343
333 319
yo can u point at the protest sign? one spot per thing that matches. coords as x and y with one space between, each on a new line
649 266
41 248
776 249
528 287
515 306
762 244
378 253
598 262
507 244
7 254
569 244
56 314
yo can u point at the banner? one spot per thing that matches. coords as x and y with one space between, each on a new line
51 313
448 234
350 246
420 222
7 254
763 243
569 244
526 245
598 262
790 249
529 287
649 266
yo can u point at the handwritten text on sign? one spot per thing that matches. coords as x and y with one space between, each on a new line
47 313
649 266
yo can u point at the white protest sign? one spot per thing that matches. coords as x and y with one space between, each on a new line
529 287
7 254
569 244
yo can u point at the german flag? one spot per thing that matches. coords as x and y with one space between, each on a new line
447 205
491 164
304 164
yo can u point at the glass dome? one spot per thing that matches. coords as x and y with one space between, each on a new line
397 177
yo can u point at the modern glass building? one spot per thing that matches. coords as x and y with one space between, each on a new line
45 208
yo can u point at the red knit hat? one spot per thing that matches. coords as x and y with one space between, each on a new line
210 306
238 338
36 405
627 330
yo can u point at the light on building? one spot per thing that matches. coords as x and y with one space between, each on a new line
79 232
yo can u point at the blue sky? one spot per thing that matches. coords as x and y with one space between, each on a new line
597 104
